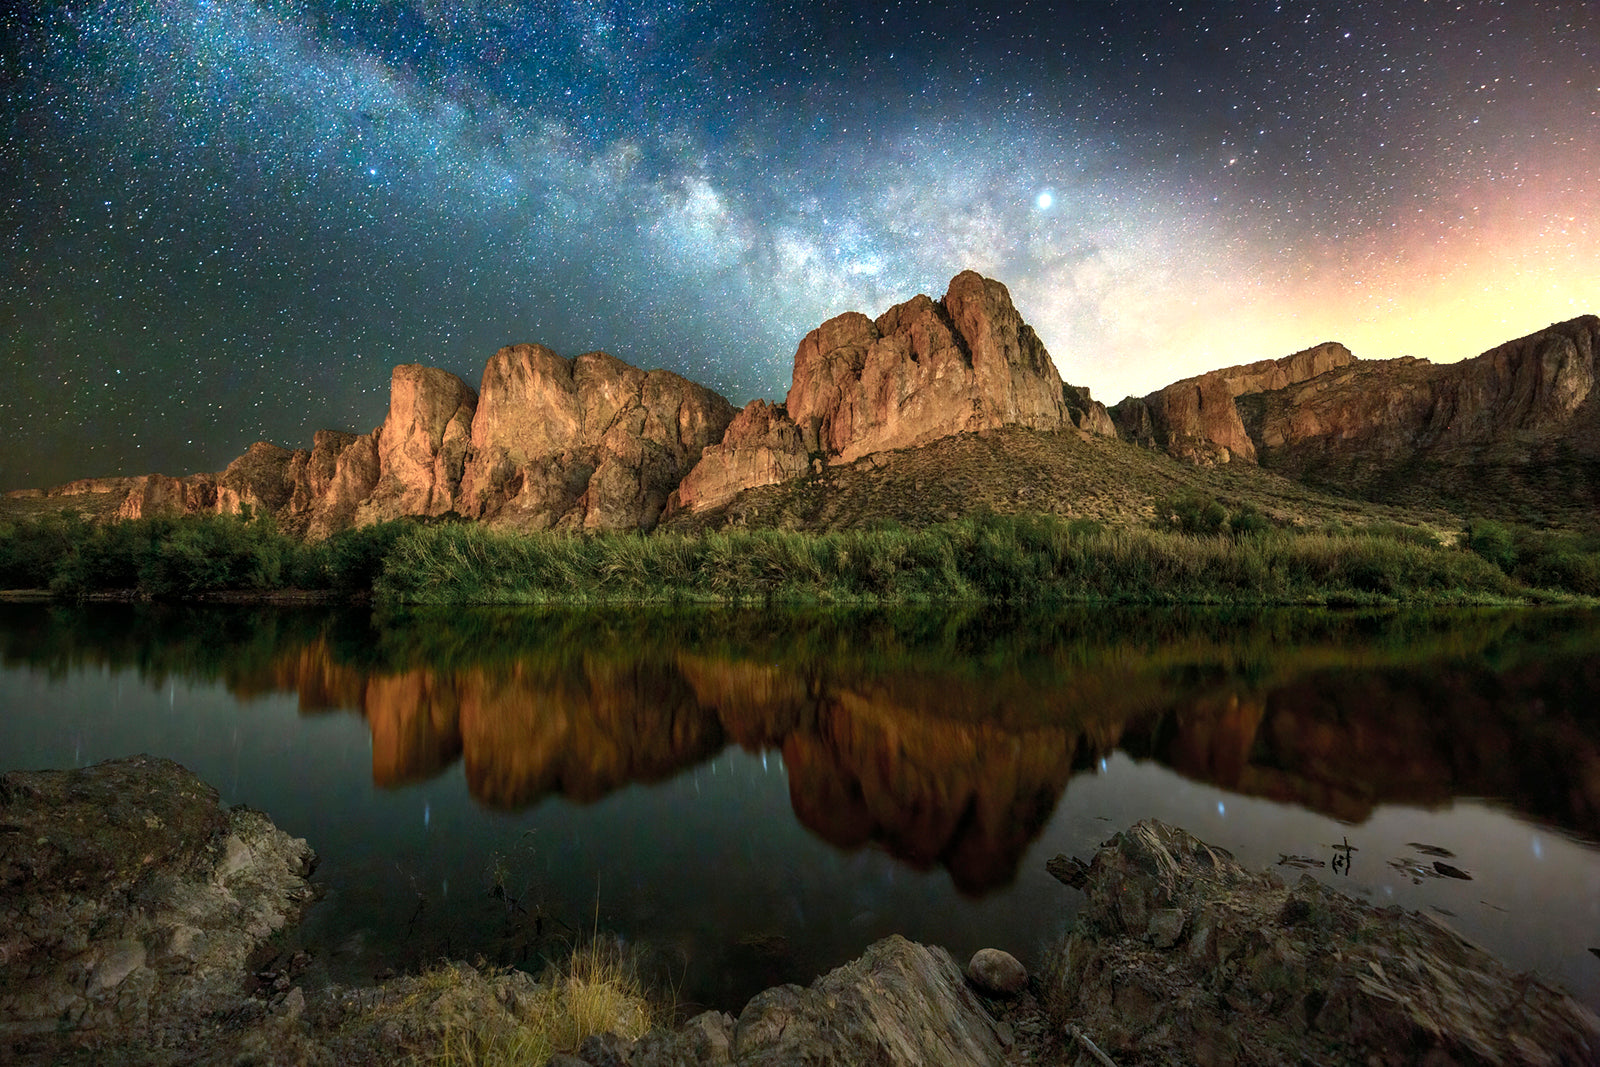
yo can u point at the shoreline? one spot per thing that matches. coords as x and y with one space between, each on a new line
1177 952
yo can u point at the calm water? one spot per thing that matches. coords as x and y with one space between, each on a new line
753 798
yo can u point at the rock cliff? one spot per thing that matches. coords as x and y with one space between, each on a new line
590 443
1519 422
1196 419
923 370
1514 430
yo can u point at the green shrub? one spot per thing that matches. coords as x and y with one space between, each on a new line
1192 513
1494 542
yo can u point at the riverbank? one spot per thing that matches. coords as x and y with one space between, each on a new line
1199 557
145 923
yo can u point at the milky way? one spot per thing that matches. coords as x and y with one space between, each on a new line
225 221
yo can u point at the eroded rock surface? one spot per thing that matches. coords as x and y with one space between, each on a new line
923 370
1196 419
899 1003
421 446
589 443
131 902
1182 956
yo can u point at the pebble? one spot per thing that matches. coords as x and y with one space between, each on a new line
997 973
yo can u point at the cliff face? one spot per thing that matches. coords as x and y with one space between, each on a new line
1518 425
922 371
590 443
1196 420
1527 404
595 444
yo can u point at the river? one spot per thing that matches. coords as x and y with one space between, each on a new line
751 797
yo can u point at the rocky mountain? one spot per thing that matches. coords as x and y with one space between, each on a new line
1196 420
1516 429
924 370
595 444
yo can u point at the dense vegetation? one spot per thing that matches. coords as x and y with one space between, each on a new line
1199 553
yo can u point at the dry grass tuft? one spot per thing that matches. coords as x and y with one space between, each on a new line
454 1015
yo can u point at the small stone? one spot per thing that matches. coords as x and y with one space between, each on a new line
121 959
997 973
291 1006
1166 927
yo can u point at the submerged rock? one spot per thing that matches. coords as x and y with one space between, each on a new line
131 903
1182 956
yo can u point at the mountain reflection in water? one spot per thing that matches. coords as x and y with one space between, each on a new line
945 740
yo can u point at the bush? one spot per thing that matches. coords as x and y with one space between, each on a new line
1247 519
1493 542
1192 513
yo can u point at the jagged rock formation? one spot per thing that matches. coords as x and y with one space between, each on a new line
1514 430
421 447
924 370
1196 419
590 443
1180 955
595 444
1519 423
132 904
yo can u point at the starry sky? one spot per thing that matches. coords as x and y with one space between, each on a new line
226 220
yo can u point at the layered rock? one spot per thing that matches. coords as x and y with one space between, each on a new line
590 443
1196 419
1527 406
421 446
131 906
923 370
1179 955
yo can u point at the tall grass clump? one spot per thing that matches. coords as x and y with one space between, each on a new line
1545 559
459 1015
1011 559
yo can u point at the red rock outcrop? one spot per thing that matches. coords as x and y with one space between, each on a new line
1196 419
922 371
421 446
1508 407
589 443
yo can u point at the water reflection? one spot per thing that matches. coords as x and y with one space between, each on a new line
947 741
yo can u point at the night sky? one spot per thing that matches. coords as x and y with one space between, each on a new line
223 221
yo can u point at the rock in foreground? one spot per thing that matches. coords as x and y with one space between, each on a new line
131 903
899 1003
1182 956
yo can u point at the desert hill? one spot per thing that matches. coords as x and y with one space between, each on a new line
934 409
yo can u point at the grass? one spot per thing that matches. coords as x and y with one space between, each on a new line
1199 551
1021 560
452 1014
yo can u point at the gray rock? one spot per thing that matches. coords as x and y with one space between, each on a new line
133 902
1166 927
997 972
898 1003
1273 974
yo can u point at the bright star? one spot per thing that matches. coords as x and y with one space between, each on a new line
1045 200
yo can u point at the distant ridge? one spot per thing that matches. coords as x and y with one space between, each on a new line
593 443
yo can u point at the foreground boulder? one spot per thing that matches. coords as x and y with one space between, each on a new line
1181 956
899 1003
131 903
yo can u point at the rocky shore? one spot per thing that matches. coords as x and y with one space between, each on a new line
143 922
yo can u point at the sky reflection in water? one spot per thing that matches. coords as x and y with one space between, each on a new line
756 798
